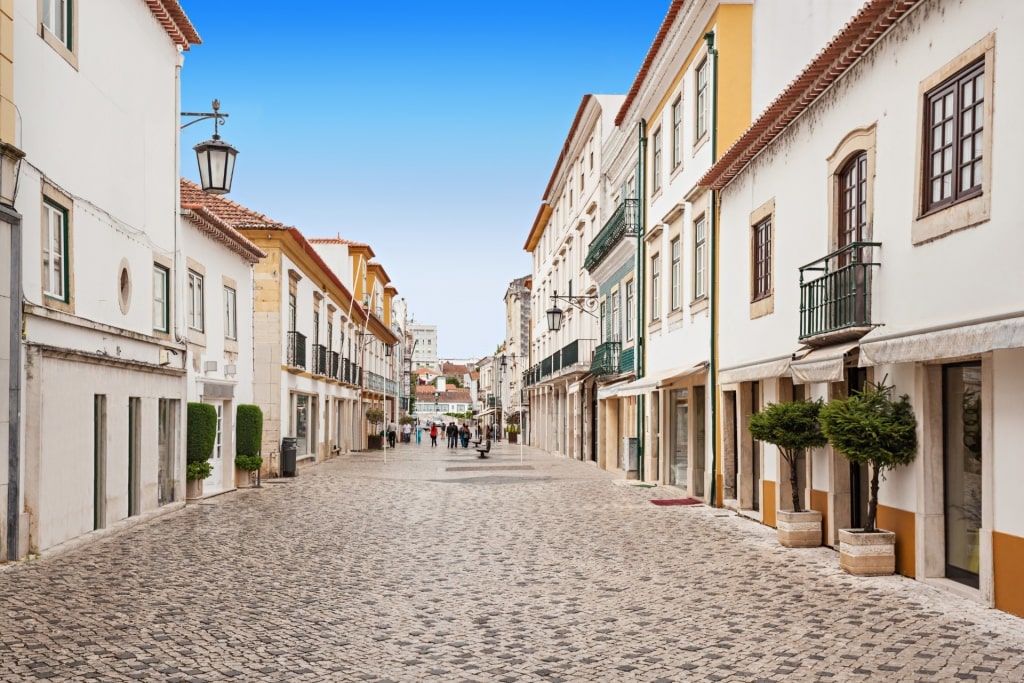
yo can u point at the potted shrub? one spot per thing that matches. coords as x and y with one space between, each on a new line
793 427
512 427
201 433
248 444
871 427
375 440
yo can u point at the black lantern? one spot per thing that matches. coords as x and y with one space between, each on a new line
216 158
554 319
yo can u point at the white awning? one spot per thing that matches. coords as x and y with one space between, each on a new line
754 372
881 346
656 379
609 390
822 365
489 411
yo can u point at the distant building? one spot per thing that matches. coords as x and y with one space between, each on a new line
424 346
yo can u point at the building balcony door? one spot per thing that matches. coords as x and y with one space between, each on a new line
962 460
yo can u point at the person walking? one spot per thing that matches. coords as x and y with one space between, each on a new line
419 433
392 435
433 434
406 432
453 435
464 436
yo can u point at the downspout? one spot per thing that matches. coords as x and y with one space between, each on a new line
13 219
709 38
638 354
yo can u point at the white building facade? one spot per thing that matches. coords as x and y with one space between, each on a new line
872 236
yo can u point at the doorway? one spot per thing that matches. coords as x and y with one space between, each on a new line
962 460
678 471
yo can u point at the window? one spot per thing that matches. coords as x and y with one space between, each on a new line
195 301
230 313
655 286
762 251
677 132
954 138
581 177
616 331
55 248
330 336
603 322
57 20
161 300
701 101
291 311
699 248
656 162
674 276
853 203
629 310
316 327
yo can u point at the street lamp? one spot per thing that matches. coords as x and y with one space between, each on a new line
586 303
216 158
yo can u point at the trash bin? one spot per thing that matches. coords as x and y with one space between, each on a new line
289 446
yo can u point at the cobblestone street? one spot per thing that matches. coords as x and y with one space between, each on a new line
438 566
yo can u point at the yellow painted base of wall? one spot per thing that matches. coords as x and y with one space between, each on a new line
1007 559
768 503
819 502
901 522
719 490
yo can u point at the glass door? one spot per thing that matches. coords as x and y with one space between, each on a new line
962 458
215 482
678 469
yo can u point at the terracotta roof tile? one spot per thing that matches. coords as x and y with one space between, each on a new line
859 34
174 22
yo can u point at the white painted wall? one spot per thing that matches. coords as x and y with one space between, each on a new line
1008 435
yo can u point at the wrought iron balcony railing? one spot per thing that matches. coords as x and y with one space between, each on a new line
568 356
335 364
296 350
375 382
606 358
624 221
346 371
838 296
319 359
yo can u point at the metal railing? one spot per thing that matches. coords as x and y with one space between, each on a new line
375 382
566 357
334 364
838 296
624 221
296 350
606 358
319 359
346 371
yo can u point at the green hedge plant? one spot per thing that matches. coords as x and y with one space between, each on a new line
248 463
248 431
871 427
792 426
201 433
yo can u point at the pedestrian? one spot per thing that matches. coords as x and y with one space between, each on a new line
419 433
453 435
392 435
433 434
406 432
464 436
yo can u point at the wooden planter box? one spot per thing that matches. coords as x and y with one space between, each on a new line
867 554
799 529
375 443
513 437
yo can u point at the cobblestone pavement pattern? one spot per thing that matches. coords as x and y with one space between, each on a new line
428 568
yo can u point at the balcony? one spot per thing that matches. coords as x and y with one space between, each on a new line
835 304
346 371
375 382
335 364
319 359
296 350
566 359
625 221
607 357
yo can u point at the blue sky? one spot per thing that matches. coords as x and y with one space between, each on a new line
428 130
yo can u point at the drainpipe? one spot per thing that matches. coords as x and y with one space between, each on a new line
709 38
638 354
13 219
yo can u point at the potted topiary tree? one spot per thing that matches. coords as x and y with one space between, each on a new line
512 427
248 444
201 433
870 427
375 440
793 427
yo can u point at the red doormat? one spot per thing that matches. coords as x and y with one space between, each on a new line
676 501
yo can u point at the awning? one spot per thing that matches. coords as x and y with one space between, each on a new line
882 346
822 365
754 372
489 411
656 379
609 390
